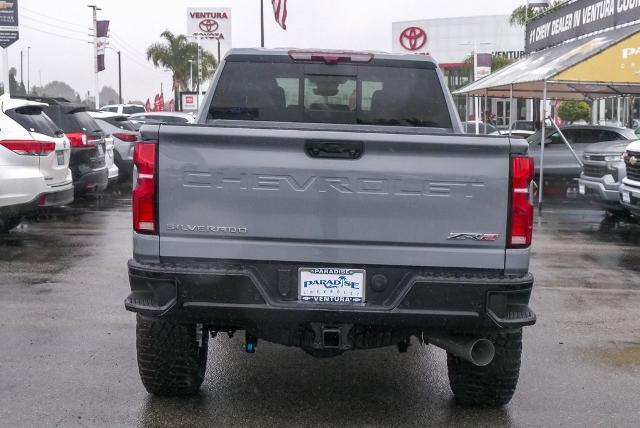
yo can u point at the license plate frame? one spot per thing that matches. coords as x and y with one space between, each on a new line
60 157
342 286
626 197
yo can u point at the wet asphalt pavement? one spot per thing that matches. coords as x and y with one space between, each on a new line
67 346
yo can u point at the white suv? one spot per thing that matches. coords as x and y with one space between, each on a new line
124 108
34 161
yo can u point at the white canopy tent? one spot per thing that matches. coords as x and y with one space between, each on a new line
598 66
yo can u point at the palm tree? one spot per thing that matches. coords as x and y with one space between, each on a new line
520 14
174 53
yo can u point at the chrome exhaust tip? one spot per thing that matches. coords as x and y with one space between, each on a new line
479 351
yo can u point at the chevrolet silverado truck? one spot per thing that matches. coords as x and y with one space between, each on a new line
602 174
330 201
630 189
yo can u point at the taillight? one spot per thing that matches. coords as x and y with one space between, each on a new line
521 219
329 57
29 147
144 193
130 138
77 139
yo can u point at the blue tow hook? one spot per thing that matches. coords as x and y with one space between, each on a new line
250 344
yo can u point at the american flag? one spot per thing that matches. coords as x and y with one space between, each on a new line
280 12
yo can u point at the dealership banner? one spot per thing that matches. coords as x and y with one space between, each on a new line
9 33
210 26
482 65
578 19
102 33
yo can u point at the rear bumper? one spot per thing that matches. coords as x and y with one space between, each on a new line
44 200
113 173
256 295
94 179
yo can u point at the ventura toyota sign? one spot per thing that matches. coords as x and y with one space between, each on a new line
451 40
577 19
210 25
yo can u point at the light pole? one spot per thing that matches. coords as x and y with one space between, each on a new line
28 70
119 73
190 75
218 50
476 104
95 52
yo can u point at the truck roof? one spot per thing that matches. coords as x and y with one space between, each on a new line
262 54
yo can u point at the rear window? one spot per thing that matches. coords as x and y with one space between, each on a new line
78 121
33 119
524 126
369 95
120 122
133 109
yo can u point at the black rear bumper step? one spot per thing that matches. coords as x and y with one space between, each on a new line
246 294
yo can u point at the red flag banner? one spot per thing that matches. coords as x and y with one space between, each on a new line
280 12
156 103
161 102
147 106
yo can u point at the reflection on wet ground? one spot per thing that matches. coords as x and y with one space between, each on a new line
620 354
67 354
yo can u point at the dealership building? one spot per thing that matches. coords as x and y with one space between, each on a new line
450 41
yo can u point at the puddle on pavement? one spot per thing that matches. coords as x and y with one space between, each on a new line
619 354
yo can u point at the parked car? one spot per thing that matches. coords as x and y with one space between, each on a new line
484 128
523 125
329 227
112 175
559 162
630 188
124 108
87 143
174 117
602 174
124 134
34 161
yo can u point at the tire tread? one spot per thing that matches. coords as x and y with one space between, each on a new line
171 362
492 385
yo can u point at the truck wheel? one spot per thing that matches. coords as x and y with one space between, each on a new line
492 385
172 358
8 223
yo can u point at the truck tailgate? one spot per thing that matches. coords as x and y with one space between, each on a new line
241 193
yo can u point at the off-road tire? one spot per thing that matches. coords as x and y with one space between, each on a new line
494 384
8 223
172 358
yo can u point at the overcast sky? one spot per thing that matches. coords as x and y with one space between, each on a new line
57 32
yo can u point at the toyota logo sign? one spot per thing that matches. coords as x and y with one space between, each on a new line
208 25
413 38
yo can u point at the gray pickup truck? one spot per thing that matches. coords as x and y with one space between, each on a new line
330 201
602 174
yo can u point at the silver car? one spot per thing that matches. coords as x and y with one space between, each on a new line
558 160
124 134
156 117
